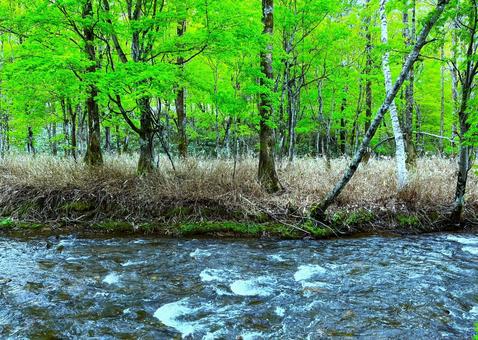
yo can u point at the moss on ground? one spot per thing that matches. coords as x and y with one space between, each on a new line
114 226
244 229
408 220
346 222
6 223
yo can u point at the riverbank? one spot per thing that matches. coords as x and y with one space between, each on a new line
214 197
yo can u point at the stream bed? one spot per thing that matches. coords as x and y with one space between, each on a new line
373 287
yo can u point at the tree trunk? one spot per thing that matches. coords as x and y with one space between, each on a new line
342 132
319 145
66 132
292 108
30 141
54 144
318 210
442 101
464 161
146 136
409 36
107 139
368 80
400 156
467 79
267 170
72 114
93 154
118 140
368 71
180 103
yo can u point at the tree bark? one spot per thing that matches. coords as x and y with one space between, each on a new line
442 101
146 136
342 133
107 139
72 114
267 170
400 156
368 69
93 154
66 132
318 210
30 141
409 36
180 103
467 79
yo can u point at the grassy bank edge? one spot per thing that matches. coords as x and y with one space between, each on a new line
341 223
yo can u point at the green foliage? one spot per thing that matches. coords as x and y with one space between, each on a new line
316 43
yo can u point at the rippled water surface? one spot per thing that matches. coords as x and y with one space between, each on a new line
408 287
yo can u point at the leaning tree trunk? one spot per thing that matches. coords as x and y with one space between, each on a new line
400 155
267 169
93 154
318 210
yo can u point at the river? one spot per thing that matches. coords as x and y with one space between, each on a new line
413 287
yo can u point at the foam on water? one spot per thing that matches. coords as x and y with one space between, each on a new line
111 278
209 275
170 314
280 311
474 310
462 240
79 258
277 258
252 336
131 263
252 287
471 250
306 272
199 253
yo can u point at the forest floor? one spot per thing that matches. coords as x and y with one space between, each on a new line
214 197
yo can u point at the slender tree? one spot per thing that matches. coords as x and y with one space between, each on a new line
180 102
400 156
468 22
267 168
93 154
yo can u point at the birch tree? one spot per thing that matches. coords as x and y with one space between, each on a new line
400 155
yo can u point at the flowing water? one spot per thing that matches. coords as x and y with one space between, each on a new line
419 287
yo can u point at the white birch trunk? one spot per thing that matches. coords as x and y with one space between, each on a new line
400 155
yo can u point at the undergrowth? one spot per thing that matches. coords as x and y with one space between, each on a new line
48 189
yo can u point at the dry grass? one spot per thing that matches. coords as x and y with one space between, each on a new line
45 188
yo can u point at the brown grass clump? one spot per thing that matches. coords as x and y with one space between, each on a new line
51 189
